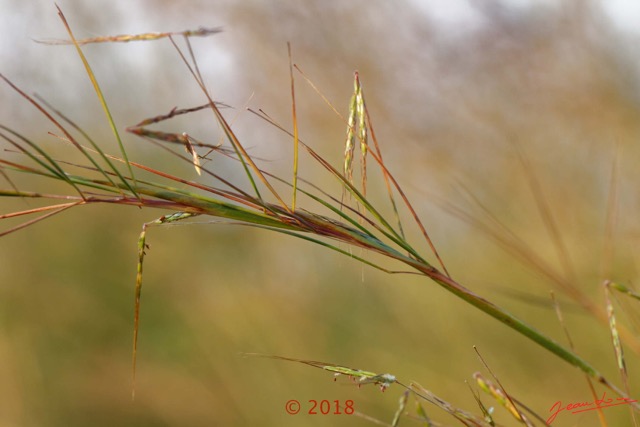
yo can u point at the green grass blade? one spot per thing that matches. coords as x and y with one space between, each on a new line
394 238
295 131
101 98
332 247
52 167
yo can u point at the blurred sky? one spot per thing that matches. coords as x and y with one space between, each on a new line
625 14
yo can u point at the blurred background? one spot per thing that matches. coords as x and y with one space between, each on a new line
484 110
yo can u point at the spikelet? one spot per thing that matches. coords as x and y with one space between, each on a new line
356 128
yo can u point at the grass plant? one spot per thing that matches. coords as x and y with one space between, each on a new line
348 223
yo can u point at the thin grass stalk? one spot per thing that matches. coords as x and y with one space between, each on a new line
53 167
542 203
295 130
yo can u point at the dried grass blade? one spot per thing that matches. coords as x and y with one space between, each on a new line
125 38
542 203
188 146
518 249
560 317
385 173
56 210
315 88
409 206
611 215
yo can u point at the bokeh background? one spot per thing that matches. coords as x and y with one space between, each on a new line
456 90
